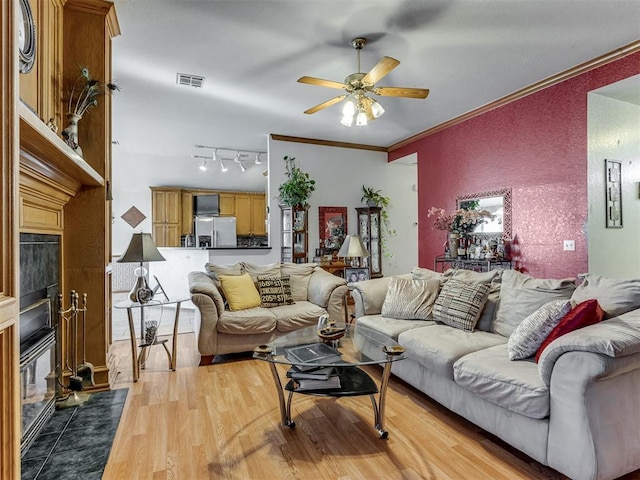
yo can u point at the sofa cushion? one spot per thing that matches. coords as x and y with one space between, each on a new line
392 327
301 314
438 347
214 271
419 273
247 322
410 299
201 282
240 291
614 296
459 304
271 270
274 291
521 295
532 331
492 278
585 314
516 386
300 274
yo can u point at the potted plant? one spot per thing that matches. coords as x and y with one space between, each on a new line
299 185
374 198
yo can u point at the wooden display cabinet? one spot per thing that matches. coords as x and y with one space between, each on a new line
369 229
294 235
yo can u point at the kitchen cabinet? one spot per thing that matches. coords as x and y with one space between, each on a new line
166 216
187 214
227 204
369 229
250 215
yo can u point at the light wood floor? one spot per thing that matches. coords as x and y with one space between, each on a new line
222 422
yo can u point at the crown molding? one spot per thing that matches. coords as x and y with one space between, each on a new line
536 87
327 143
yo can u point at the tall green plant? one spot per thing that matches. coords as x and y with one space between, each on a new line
375 198
298 187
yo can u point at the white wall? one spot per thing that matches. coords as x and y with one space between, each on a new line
340 174
614 134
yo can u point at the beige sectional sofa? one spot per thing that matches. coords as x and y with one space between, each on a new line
577 410
219 330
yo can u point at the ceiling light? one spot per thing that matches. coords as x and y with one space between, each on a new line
347 120
242 167
203 167
223 167
349 108
215 154
376 109
258 160
361 119
237 158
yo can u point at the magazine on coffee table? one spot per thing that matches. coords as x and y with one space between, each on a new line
322 373
311 353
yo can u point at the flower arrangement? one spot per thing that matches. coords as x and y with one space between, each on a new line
460 221
85 92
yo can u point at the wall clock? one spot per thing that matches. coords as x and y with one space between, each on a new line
26 37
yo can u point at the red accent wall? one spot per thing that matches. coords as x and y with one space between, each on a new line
537 146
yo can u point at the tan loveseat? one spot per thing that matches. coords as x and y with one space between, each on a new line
218 330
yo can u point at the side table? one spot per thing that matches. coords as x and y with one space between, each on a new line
138 358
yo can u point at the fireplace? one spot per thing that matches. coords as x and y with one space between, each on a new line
39 347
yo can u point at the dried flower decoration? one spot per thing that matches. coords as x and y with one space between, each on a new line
85 93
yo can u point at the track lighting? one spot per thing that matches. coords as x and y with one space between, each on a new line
238 156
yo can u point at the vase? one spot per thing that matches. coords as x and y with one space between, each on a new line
70 133
454 242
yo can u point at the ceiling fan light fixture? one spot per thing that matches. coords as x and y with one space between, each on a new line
361 119
376 109
347 120
349 108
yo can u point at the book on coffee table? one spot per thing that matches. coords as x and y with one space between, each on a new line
311 353
322 373
309 384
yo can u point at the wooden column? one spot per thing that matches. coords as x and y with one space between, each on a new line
9 334
89 26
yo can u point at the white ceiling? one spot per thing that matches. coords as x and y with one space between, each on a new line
251 52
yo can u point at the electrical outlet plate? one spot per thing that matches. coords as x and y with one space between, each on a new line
569 245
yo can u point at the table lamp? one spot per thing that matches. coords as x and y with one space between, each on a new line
353 248
141 249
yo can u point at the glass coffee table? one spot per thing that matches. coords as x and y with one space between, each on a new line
304 352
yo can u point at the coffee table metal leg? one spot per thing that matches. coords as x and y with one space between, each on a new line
134 347
285 410
378 409
174 341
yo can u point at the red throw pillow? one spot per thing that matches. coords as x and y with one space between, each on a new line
584 314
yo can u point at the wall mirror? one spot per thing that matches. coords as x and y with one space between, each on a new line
498 203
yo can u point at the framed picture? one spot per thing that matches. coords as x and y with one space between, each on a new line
332 226
352 275
613 193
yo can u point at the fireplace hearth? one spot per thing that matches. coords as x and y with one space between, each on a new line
39 347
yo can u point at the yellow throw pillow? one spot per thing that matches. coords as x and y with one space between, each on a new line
240 291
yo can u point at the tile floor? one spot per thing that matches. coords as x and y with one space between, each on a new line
75 443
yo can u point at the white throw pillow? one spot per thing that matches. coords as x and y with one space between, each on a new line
532 331
410 299
300 274
614 296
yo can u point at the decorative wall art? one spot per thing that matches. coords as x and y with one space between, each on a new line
332 227
613 193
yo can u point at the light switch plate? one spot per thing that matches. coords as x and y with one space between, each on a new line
569 245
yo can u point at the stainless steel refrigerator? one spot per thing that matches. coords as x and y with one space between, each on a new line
215 231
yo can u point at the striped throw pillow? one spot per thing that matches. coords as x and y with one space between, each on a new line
460 304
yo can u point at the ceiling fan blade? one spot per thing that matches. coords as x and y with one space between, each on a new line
322 83
382 68
326 104
402 92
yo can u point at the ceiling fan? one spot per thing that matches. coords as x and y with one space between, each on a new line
359 106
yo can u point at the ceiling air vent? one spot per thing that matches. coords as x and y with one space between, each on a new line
189 80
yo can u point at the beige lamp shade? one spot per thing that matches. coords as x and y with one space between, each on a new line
352 247
141 249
